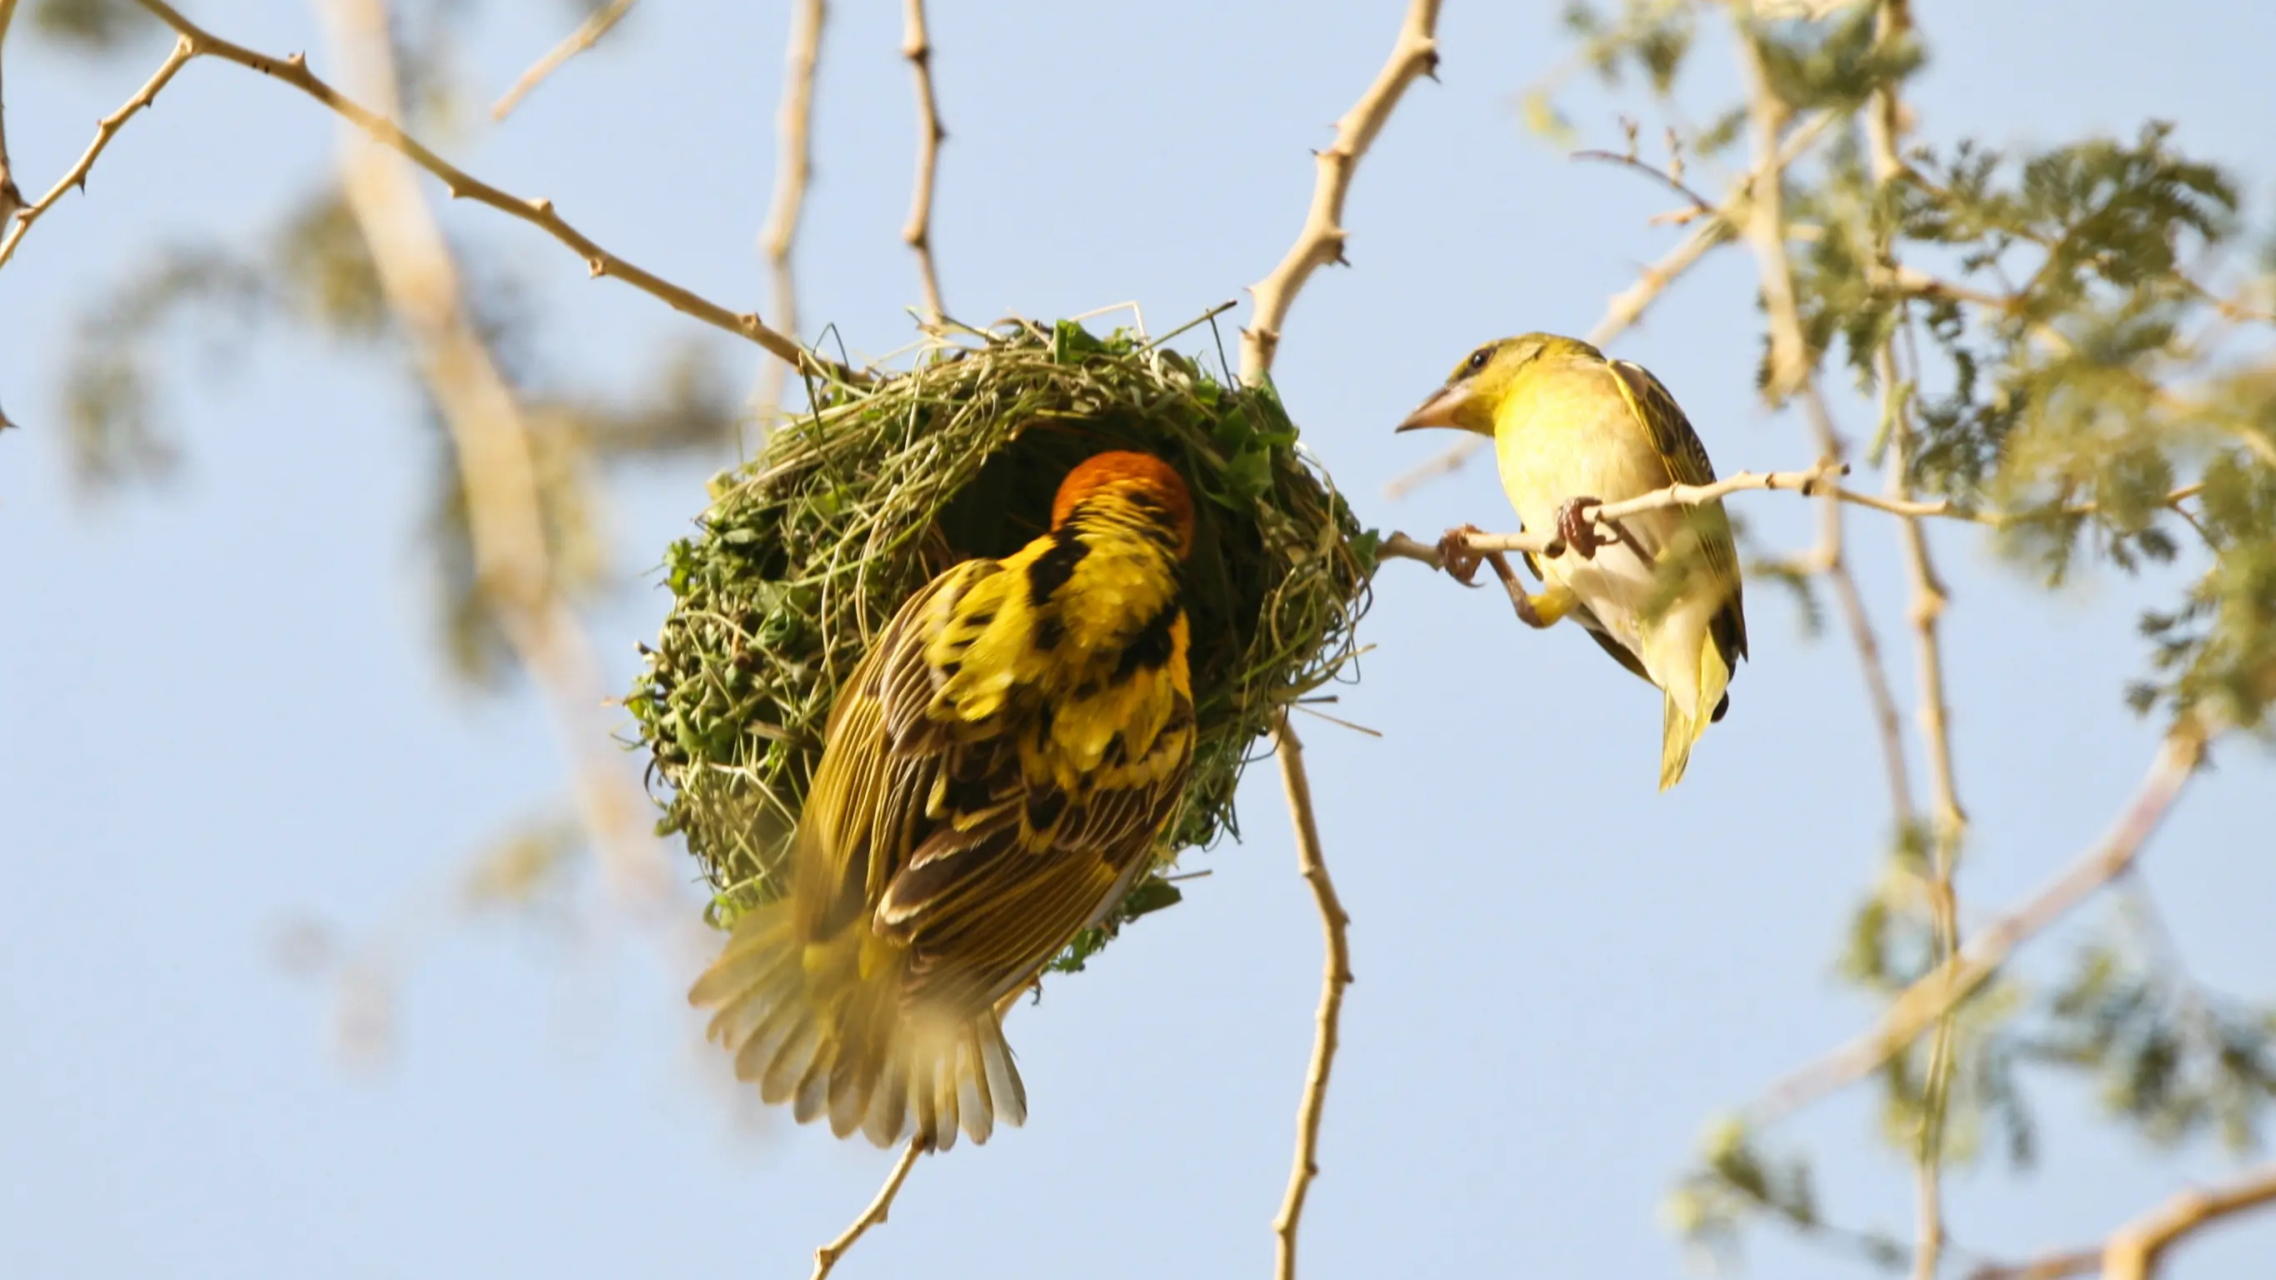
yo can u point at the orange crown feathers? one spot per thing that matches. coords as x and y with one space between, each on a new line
1140 472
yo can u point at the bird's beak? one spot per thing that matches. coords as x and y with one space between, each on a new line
1441 410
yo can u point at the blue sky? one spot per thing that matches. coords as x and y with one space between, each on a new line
225 714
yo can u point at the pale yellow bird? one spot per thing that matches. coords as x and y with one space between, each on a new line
1573 430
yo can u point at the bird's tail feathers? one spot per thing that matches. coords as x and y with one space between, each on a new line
1691 706
823 1026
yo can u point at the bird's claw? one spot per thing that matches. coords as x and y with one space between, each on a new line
1577 526
1454 553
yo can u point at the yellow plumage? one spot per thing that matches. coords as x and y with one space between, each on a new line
994 777
1663 595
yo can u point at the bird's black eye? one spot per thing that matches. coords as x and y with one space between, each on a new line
1478 359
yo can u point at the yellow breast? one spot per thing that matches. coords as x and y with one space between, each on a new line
1567 433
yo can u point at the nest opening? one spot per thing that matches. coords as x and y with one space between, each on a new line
807 551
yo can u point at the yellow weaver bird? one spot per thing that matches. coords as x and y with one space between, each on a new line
1573 430
993 778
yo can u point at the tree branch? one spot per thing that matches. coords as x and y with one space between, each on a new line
1811 482
2133 1251
293 70
827 1256
11 199
793 167
1700 205
1765 224
1951 983
917 47
1884 120
497 469
105 129
583 38
1321 241
1337 976
2053 1266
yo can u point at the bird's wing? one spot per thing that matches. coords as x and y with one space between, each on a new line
984 908
930 816
1679 446
864 812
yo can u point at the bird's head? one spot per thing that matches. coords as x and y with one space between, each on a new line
1490 375
1140 479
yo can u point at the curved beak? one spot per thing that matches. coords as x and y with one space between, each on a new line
1442 410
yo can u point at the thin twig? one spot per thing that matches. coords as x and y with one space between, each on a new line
2052 1266
293 70
1765 226
1699 202
497 468
793 169
2133 1251
11 199
105 129
1832 558
1883 126
917 47
1951 983
583 38
1915 283
1884 121
827 1256
1792 369
1811 482
1334 924
1930 597
1606 515
1321 241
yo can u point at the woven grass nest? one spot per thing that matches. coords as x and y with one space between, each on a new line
807 551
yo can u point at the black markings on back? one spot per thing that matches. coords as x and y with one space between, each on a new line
968 795
1050 571
1044 808
1049 631
1149 650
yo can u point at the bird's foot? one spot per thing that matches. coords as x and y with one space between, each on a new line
1454 553
1576 524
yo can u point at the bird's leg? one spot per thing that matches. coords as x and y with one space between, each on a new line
1454 553
1577 526
1544 610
